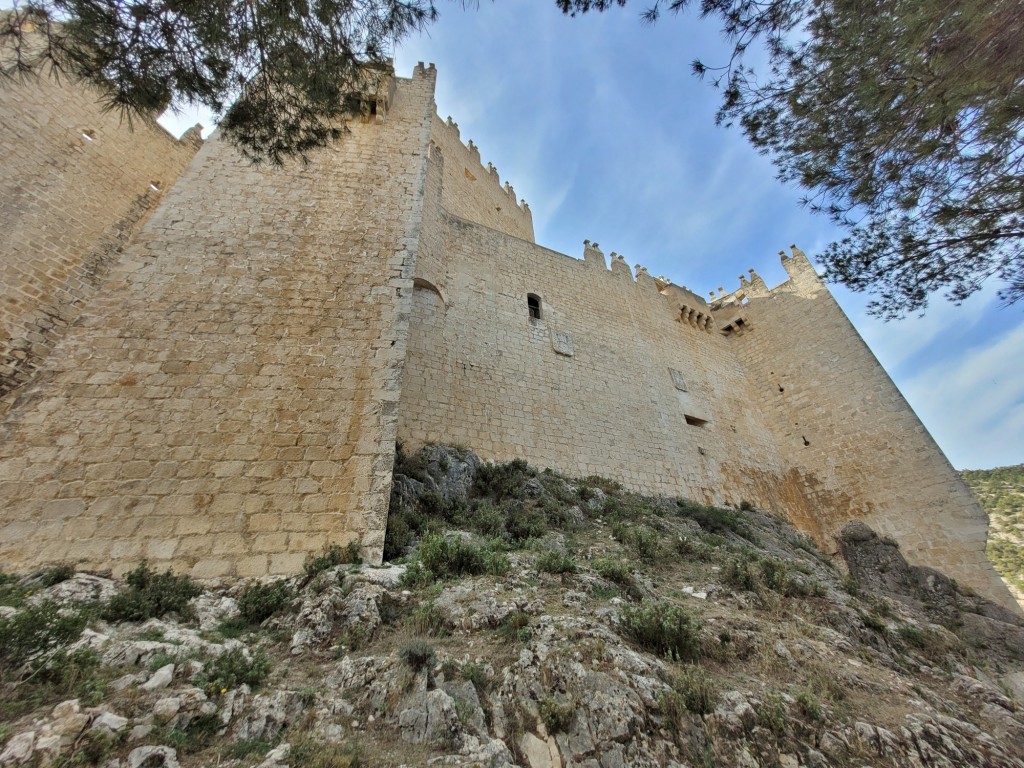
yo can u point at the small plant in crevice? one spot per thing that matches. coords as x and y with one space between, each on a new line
427 620
55 574
332 556
245 748
556 716
771 714
258 602
152 595
417 655
691 691
477 675
613 569
810 706
196 736
642 540
516 626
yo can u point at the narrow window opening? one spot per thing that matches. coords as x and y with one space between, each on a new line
693 421
533 306
739 322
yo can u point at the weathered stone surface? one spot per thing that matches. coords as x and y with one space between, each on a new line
159 679
153 757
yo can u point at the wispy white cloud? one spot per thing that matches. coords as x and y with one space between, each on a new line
973 402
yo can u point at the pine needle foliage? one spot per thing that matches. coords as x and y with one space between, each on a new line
904 122
284 76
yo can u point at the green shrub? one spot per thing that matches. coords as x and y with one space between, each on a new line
691 691
771 714
613 569
850 585
524 522
427 620
13 591
749 573
810 706
232 669
503 481
92 748
333 556
152 595
194 737
664 628
739 575
477 675
441 557
55 574
713 519
931 643
417 655
516 626
244 748
556 717
37 631
610 487
315 754
553 561
258 602
641 539
874 622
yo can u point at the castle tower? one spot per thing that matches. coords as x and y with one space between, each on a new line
227 403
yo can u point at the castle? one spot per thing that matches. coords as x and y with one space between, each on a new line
208 365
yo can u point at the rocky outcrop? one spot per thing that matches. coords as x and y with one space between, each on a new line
627 632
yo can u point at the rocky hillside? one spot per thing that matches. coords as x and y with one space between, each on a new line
1001 493
527 620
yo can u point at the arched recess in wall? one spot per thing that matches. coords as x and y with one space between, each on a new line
428 301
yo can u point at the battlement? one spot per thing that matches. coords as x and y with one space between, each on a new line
473 191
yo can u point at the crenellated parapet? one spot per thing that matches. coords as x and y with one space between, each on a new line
496 203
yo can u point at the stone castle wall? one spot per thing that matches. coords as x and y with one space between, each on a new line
228 403
76 184
859 449
768 396
474 192
588 388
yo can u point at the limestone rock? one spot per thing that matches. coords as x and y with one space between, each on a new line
19 749
159 679
429 716
153 757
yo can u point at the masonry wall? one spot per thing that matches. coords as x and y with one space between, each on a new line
227 404
473 192
586 389
860 449
76 184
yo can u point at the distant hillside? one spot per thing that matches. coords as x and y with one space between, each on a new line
1001 493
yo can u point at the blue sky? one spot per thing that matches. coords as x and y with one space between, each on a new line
599 125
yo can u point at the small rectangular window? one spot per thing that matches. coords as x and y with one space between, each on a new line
533 306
